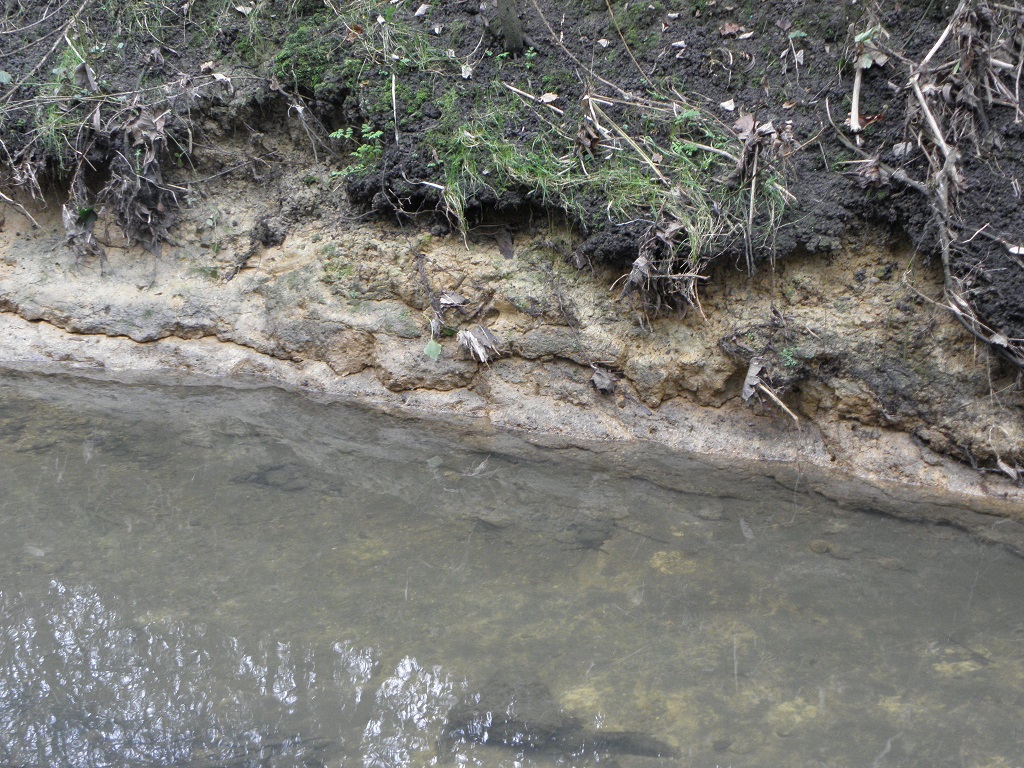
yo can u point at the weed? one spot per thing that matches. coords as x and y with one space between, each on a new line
367 152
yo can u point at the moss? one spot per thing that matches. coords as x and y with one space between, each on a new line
312 55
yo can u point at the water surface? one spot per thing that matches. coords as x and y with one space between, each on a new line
215 577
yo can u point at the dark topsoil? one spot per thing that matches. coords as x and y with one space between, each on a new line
784 62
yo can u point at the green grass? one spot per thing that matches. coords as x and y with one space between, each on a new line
667 171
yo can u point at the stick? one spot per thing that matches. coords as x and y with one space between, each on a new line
932 123
775 398
394 106
750 216
858 77
943 36
633 144
631 56
20 207
74 17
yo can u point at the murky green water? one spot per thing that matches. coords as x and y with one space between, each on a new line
204 577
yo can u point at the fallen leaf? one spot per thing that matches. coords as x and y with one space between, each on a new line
730 29
5 78
799 58
679 44
422 10
221 78
729 105
467 72
1016 250
657 157
206 67
902 148
745 36
744 127
602 381
547 98
753 378
788 104
604 43
245 10
86 78
432 350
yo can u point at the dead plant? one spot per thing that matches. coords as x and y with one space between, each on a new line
949 99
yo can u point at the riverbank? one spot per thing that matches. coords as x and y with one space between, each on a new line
315 314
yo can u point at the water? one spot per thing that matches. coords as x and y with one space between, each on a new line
212 577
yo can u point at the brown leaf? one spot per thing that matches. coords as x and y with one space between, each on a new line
86 78
730 29
744 127
602 381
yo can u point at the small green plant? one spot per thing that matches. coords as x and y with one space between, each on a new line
367 153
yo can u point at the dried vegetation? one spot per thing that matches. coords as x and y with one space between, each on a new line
972 68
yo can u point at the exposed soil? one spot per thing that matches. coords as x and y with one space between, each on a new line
261 161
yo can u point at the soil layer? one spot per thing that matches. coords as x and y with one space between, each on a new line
372 202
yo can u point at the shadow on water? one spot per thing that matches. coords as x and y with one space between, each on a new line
204 577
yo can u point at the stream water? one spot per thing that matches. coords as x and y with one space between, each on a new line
216 577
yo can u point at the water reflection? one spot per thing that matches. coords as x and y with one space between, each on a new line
82 686
207 578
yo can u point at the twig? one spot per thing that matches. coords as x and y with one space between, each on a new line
896 173
74 18
557 40
858 77
394 106
20 207
957 14
940 140
633 144
621 37
775 398
532 98
750 215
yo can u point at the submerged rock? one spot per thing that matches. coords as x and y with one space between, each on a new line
523 715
